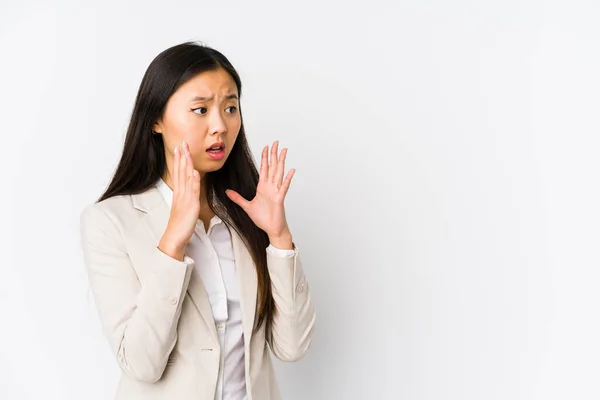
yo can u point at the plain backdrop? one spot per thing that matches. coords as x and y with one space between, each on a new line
446 197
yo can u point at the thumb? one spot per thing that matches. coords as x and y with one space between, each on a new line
237 198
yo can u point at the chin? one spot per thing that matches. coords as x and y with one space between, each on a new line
211 167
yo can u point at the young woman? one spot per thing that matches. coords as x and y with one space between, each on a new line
189 255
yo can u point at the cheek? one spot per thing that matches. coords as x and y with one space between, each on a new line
196 144
234 139
237 122
177 131
170 142
234 128
192 134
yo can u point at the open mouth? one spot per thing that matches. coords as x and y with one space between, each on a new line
216 153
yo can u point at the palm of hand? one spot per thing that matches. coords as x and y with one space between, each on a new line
266 209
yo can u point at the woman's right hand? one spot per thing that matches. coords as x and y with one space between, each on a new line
185 208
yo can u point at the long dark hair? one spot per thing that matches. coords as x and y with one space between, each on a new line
143 160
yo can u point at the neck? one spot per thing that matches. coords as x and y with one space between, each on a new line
203 199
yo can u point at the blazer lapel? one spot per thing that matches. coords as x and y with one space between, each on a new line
247 282
156 218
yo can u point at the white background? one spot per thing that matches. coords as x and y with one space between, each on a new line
446 197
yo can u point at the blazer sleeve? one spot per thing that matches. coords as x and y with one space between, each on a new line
139 318
294 320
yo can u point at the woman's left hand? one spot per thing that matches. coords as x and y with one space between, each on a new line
266 209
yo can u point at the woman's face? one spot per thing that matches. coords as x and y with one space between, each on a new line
203 111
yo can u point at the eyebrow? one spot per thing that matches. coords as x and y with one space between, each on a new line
204 98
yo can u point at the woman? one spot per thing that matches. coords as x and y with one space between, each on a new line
189 255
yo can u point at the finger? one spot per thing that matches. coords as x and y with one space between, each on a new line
263 165
280 168
189 169
182 162
237 199
175 169
287 181
272 161
196 183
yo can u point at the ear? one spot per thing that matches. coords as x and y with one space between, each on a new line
157 127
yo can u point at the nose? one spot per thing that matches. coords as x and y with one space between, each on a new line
217 123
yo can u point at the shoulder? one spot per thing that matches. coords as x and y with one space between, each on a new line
99 225
121 213
114 217
114 208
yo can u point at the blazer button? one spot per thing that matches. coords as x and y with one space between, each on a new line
300 288
173 301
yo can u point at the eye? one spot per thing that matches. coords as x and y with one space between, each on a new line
234 109
199 108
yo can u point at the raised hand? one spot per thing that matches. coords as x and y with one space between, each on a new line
266 209
186 204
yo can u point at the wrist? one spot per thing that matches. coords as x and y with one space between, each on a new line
173 250
283 241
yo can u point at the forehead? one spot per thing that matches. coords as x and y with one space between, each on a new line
208 83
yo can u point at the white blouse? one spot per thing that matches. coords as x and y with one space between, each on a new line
214 259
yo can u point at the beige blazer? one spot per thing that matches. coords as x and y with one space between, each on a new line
156 314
